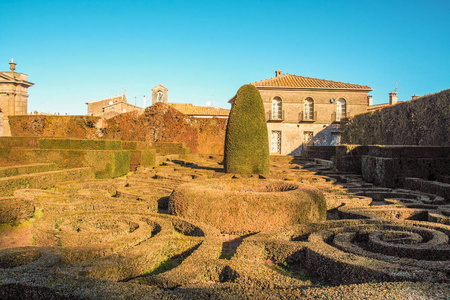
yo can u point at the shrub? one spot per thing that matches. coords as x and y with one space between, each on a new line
23 142
246 141
423 121
51 126
241 206
106 163
84 144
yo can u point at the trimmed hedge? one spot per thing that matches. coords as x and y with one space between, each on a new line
27 169
106 163
12 209
424 121
144 158
42 180
80 144
132 145
51 126
24 142
246 140
241 206
165 148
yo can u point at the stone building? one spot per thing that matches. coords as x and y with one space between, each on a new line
13 96
303 110
110 107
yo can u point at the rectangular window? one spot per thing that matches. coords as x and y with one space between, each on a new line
275 142
308 137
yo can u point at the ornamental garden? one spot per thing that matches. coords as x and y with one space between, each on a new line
115 219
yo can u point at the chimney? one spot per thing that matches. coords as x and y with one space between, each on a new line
277 73
414 97
392 98
369 100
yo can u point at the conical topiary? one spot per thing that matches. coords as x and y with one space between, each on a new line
246 140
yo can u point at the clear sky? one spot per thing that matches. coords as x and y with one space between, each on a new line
203 51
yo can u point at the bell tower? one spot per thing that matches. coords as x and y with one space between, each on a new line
159 94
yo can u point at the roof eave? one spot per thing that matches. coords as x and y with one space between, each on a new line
310 88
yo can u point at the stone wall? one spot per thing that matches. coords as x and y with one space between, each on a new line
423 121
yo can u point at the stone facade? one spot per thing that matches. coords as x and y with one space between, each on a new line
13 96
302 110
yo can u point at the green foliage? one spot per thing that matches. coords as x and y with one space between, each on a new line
242 206
106 163
27 169
134 145
165 148
424 121
24 142
51 126
80 144
42 180
145 158
246 141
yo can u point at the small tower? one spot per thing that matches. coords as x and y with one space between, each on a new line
159 94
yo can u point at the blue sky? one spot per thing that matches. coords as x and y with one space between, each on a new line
203 51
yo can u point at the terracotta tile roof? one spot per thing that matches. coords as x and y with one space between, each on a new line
377 106
122 97
294 81
193 110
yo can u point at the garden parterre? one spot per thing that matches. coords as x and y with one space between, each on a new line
115 239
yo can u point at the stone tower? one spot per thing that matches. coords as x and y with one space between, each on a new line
13 96
159 94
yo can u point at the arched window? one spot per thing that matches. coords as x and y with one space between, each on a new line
341 109
160 97
308 111
277 112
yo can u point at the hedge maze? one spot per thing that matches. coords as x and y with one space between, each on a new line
184 229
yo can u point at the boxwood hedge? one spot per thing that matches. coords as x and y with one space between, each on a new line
246 141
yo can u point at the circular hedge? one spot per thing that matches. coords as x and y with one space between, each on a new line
241 206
